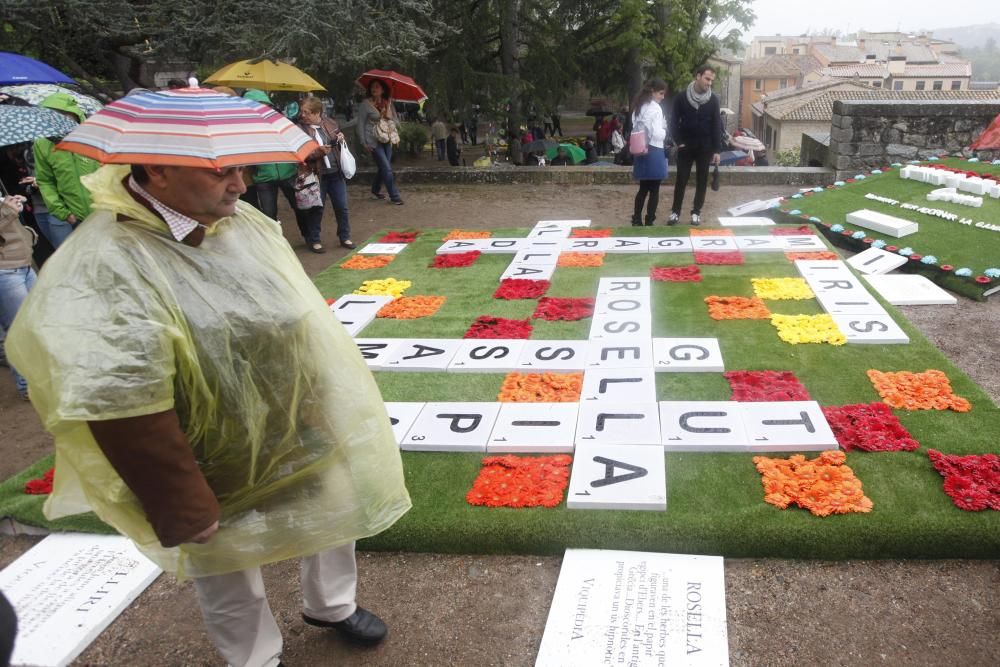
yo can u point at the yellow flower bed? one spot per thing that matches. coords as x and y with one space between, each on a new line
384 287
795 329
779 289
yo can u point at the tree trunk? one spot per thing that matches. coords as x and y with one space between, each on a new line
633 71
510 20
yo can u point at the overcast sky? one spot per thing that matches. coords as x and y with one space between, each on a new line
794 17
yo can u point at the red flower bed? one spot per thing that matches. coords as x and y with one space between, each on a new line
455 260
41 486
587 233
676 274
551 308
763 386
399 237
869 426
973 481
718 258
521 481
487 326
518 288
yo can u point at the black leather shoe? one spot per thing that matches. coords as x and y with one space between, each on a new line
349 244
361 627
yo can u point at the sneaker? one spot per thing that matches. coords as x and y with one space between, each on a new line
673 219
695 219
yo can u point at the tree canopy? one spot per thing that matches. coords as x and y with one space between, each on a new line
505 54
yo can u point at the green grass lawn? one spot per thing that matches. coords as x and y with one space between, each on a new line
951 242
715 501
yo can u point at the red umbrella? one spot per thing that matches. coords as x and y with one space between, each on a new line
401 87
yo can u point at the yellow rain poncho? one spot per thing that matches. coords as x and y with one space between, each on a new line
284 416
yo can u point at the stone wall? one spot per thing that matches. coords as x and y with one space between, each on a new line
865 135
814 150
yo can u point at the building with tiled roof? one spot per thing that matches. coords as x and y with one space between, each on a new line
781 120
760 76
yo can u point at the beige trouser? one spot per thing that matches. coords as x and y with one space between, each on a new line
239 620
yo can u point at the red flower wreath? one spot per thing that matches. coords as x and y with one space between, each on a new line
869 426
487 326
551 308
521 481
764 386
455 260
677 274
519 288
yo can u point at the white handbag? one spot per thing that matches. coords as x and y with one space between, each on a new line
347 163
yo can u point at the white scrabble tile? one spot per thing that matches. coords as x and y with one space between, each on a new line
613 325
877 329
553 355
910 290
356 307
534 428
670 244
714 244
562 223
586 245
503 246
376 351
764 243
617 477
883 223
535 256
804 243
628 244
529 271
549 232
853 302
618 385
746 222
703 426
402 416
687 355
620 353
461 245
452 427
787 426
623 305
487 355
625 286
618 423
428 354
876 261
383 248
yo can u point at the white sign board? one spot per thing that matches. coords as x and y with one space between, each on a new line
67 589
638 609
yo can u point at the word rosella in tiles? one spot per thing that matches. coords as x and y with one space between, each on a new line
620 353
625 286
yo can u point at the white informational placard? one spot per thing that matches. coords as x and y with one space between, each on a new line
746 222
910 290
636 609
67 589
383 248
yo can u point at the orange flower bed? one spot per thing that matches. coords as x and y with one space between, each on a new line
411 307
736 308
363 262
462 234
541 388
521 481
695 231
589 233
582 259
823 485
930 390
824 254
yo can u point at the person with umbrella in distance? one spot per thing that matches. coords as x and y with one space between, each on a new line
58 174
378 125
203 399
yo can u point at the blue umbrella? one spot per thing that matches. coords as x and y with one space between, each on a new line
20 124
16 69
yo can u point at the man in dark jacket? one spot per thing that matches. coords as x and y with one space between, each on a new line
696 129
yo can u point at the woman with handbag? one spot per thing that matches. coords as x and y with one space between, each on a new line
329 167
378 132
16 275
649 167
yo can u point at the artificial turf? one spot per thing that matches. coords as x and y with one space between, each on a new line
715 501
951 242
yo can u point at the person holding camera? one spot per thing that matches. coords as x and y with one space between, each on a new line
325 163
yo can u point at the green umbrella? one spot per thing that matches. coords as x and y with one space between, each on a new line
576 154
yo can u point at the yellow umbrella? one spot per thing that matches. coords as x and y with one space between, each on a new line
266 75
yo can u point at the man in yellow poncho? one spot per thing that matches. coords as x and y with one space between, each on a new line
206 403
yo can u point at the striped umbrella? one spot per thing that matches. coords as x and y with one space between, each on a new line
189 127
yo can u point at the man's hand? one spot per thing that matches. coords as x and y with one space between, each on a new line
28 180
716 158
205 535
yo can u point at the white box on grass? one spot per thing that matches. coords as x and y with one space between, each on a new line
487 355
461 245
401 417
618 423
787 426
630 385
611 325
452 427
804 243
910 290
875 329
383 248
617 477
714 244
426 354
669 244
762 243
539 356
702 426
529 271
535 256
624 286
376 351
687 355
883 223
620 353
628 244
503 246
874 261
745 222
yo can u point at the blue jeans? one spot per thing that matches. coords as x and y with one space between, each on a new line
440 147
14 286
382 153
267 196
334 186
42 220
59 231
